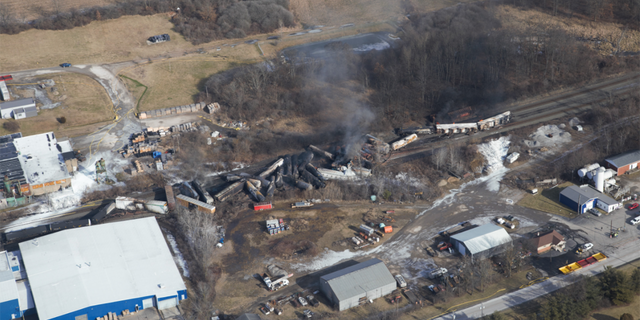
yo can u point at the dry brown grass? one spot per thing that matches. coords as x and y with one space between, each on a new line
26 9
86 107
97 43
529 19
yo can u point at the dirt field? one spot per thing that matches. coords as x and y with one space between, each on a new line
327 225
83 102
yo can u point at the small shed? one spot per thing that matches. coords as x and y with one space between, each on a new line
552 240
18 109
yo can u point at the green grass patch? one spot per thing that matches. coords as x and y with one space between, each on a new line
135 87
548 201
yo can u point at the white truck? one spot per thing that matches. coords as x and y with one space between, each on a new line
302 204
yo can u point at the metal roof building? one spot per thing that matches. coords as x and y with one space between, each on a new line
9 297
483 241
85 273
18 109
624 162
354 285
583 198
249 316
9 163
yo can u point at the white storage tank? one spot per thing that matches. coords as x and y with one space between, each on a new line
582 172
600 179
592 167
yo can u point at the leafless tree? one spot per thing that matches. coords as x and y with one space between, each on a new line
201 233
6 13
439 156
483 273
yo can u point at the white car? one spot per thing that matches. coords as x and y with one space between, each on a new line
635 221
587 246
303 301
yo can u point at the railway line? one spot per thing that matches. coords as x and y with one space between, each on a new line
523 115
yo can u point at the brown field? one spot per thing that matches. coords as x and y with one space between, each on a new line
29 9
605 33
86 107
97 43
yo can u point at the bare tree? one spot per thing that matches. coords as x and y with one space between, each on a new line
6 14
439 156
483 273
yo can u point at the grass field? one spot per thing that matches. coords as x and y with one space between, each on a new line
86 107
547 201
97 43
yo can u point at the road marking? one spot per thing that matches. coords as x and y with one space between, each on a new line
451 309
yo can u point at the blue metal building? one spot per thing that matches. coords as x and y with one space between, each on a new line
583 198
15 297
85 273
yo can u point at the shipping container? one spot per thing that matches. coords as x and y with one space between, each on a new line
156 206
367 230
262 206
388 229
171 199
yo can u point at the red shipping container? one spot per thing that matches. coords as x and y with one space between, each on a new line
262 206
388 229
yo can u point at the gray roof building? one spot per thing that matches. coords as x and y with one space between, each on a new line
9 162
249 316
624 159
354 285
22 106
580 195
483 241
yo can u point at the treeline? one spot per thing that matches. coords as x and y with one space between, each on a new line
446 60
613 288
199 21
625 11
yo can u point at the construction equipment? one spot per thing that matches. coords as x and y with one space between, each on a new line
430 251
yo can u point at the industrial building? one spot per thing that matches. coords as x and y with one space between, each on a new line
18 109
552 240
42 163
357 284
15 296
481 242
582 198
85 273
249 316
624 162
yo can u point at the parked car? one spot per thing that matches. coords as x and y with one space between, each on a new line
65 65
303 301
635 221
584 248
312 300
595 212
308 313
633 206
265 310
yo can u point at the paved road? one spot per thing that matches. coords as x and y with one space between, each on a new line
620 251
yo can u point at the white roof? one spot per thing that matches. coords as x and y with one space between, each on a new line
40 158
457 126
83 267
24 295
8 288
65 146
483 238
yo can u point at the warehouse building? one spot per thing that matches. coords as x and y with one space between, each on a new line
482 242
249 316
355 285
85 273
18 109
624 162
582 198
15 296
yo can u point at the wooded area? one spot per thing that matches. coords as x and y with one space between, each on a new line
199 21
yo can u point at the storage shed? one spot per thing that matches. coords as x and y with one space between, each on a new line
624 162
357 284
582 198
85 273
481 242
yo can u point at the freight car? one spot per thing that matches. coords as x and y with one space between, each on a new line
485 124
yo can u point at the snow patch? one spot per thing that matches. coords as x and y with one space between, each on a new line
548 136
405 179
327 259
494 153
177 255
374 46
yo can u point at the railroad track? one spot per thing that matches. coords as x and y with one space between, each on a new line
530 114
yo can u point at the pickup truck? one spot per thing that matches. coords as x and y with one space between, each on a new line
303 301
